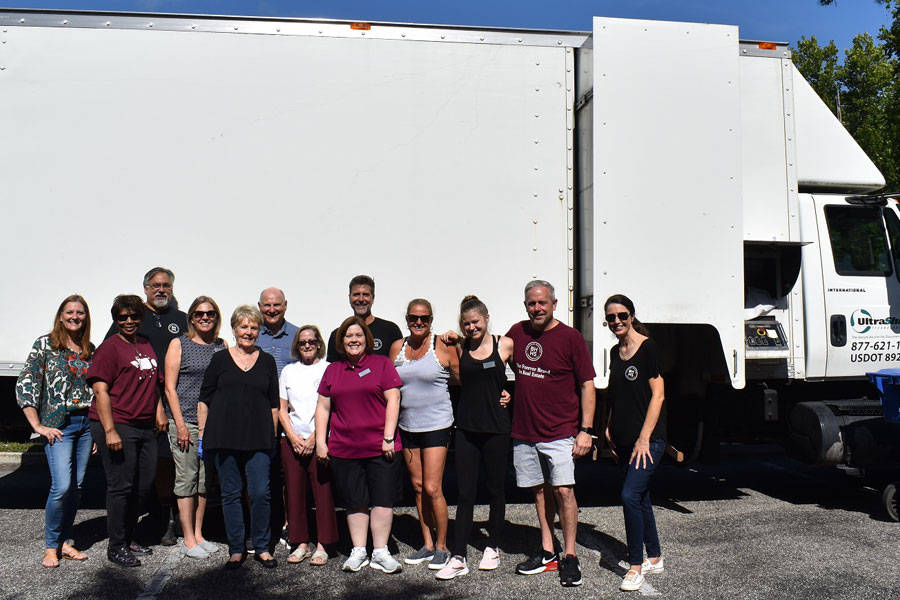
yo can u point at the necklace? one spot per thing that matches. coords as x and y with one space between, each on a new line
422 350
242 363
138 357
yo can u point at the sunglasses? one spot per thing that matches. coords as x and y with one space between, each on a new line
611 317
132 316
305 343
199 314
413 318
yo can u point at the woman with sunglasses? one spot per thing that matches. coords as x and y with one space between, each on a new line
637 428
186 361
426 364
53 393
126 380
298 386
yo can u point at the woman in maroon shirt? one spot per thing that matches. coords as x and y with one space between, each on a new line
361 395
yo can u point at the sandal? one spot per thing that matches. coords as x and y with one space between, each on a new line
69 552
319 558
51 559
299 555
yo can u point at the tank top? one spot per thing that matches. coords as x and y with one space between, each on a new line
194 360
424 397
479 399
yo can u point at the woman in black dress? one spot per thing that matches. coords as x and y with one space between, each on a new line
636 428
237 415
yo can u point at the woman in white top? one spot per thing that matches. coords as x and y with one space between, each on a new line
299 383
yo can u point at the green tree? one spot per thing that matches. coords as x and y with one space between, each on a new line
869 85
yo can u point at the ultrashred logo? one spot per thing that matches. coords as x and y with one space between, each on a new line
862 321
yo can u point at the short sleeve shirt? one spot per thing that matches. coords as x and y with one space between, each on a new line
133 376
384 334
629 393
358 407
550 367
278 343
299 385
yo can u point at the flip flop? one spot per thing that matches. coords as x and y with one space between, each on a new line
69 552
319 558
50 560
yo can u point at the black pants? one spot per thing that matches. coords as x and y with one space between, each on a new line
491 449
129 478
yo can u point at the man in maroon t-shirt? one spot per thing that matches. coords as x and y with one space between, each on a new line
552 423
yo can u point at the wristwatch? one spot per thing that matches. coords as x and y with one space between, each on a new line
587 430
388 440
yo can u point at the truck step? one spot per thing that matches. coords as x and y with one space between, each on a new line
862 407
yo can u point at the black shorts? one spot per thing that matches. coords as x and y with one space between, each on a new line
426 439
366 482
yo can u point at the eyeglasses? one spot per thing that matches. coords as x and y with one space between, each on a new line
199 314
134 317
304 343
159 286
413 318
611 317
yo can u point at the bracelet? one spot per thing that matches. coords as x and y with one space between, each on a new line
587 430
388 440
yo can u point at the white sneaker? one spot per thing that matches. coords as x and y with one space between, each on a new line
358 559
648 567
490 560
454 568
383 561
632 581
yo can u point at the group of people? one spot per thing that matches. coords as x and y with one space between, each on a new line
341 420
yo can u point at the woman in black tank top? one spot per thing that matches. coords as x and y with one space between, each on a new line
483 425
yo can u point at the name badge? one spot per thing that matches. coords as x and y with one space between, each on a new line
488 365
364 373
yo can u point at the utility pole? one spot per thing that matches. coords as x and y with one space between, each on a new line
837 87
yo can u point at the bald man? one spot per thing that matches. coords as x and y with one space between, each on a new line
277 334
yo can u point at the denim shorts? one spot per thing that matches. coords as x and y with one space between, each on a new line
537 463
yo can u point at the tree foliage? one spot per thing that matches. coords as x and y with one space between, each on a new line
868 81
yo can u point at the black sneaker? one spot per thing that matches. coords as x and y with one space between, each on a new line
123 557
543 561
569 571
136 548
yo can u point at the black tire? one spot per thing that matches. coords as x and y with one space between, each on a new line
889 500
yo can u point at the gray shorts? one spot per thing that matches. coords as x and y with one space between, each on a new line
537 463
190 472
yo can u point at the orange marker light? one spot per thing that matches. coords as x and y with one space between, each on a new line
360 26
768 46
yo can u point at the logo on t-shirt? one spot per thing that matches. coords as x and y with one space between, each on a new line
631 373
377 344
533 351
173 328
143 363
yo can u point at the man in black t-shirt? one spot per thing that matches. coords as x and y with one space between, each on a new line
362 297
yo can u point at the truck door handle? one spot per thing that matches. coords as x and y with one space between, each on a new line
838 330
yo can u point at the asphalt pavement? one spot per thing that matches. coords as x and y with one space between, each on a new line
758 525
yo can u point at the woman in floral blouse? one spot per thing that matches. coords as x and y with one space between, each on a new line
54 395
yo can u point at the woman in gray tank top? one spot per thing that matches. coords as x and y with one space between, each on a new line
186 362
426 365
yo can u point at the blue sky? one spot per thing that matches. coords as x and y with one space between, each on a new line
775 20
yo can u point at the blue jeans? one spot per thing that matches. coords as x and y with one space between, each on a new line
234 466
67 459
640 525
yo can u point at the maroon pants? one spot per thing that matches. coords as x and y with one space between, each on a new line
297 471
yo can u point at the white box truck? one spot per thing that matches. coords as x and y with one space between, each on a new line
672 162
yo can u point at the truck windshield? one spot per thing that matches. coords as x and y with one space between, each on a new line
858 242
893 229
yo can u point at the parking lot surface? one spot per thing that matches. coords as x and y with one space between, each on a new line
758 525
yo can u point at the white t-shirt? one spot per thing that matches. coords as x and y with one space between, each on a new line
299 385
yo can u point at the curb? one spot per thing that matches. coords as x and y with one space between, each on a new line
23 459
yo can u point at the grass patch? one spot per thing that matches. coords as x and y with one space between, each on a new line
20 446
